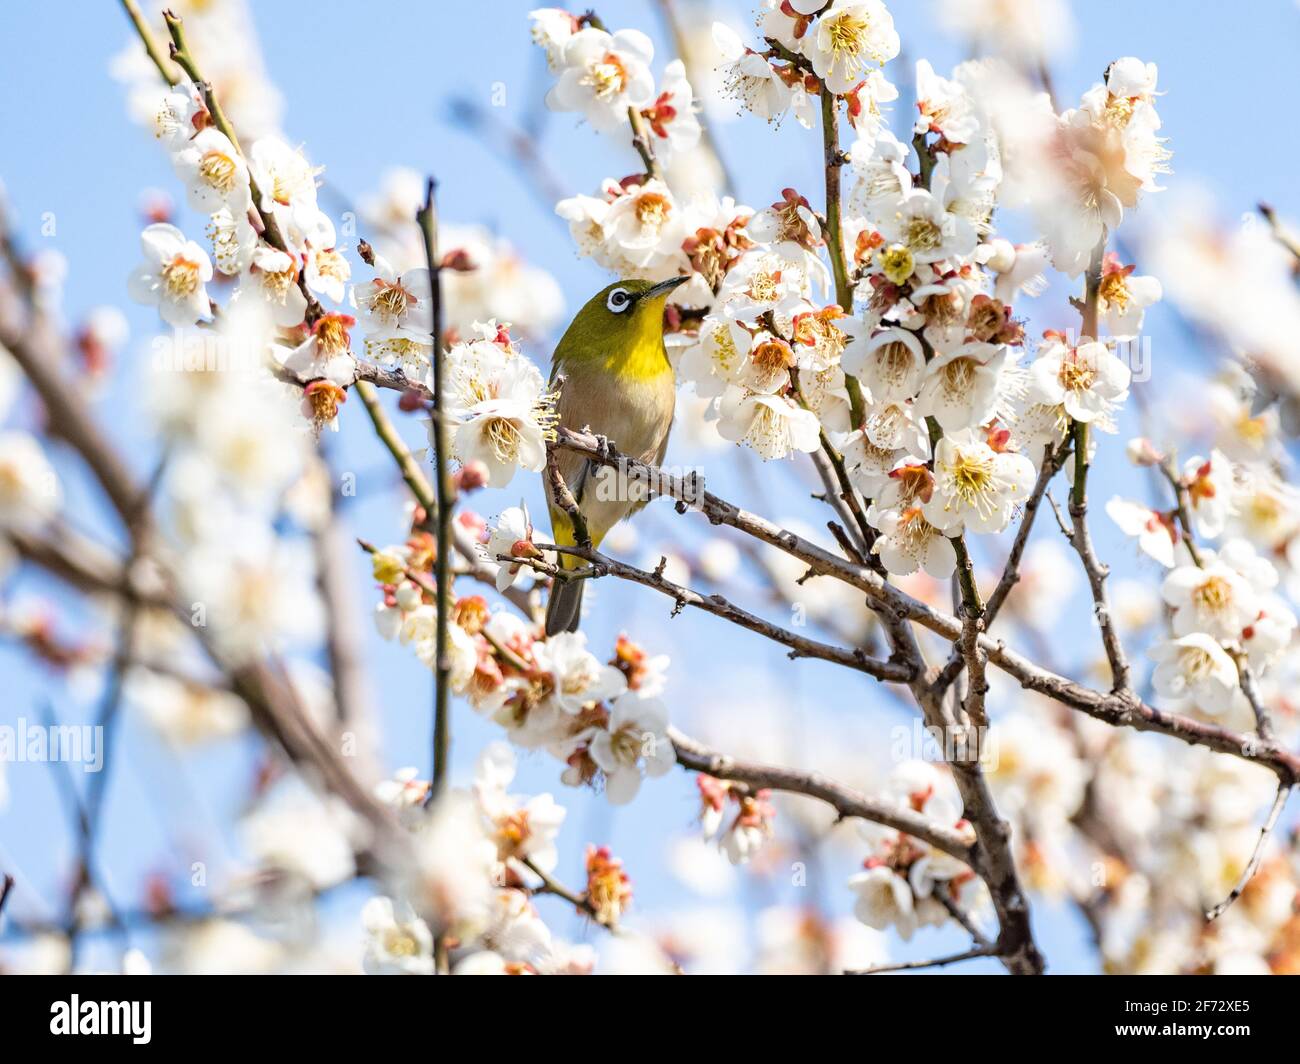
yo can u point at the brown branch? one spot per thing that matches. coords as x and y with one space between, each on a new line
1117 708
6 888
563 498
427 219
1051 464
1246 678
800 646
344 641
938 962
847 802
551 885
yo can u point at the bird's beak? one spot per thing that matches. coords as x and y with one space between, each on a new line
662 289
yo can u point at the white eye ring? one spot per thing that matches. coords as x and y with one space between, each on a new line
618 301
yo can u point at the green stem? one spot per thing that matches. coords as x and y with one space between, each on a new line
1079 490
835 234
132 10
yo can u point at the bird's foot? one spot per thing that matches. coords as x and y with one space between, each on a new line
604 449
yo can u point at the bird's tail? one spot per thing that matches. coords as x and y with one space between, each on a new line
564 607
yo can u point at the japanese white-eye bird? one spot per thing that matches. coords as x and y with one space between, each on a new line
614 380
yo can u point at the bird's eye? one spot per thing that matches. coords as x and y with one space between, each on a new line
618 300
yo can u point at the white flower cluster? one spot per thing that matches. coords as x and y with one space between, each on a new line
904 878
497 400
483 276
478 855
605 722
1223 604
606 78
218 181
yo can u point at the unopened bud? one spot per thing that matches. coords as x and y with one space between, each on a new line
387 567
408 596
1142 452
471 476
410 401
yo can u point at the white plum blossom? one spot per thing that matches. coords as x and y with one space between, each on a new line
1155 531
884 900
1088 381
29 488
523 829
889 363
287 182
848 40
716 359
975 487
643 228
908 542
272 276
552 28
512 537
926 231
1195 666
772 425
397 941
396 317
960 389
579 678
180 114
602 75
672 116
944 107
1019 268
749 77
1122 299
1209 493
634 743
214 173
501 409
173 276
1214 599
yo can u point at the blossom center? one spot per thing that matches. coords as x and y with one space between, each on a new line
652 210
397 943
219 171
607 77
1214 595
897 263
180 277
503 437
1076 375
923 234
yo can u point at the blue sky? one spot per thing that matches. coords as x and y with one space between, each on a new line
367 87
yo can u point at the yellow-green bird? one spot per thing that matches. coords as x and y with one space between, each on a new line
615 381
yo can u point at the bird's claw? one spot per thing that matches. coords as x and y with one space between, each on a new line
604 448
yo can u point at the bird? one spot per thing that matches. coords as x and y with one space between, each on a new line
614 380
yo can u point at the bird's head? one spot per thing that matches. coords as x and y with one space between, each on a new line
623 316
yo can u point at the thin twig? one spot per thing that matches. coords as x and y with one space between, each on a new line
694 755
832 161
427 219
1256 858
551 885
800 646
132 10
938 962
